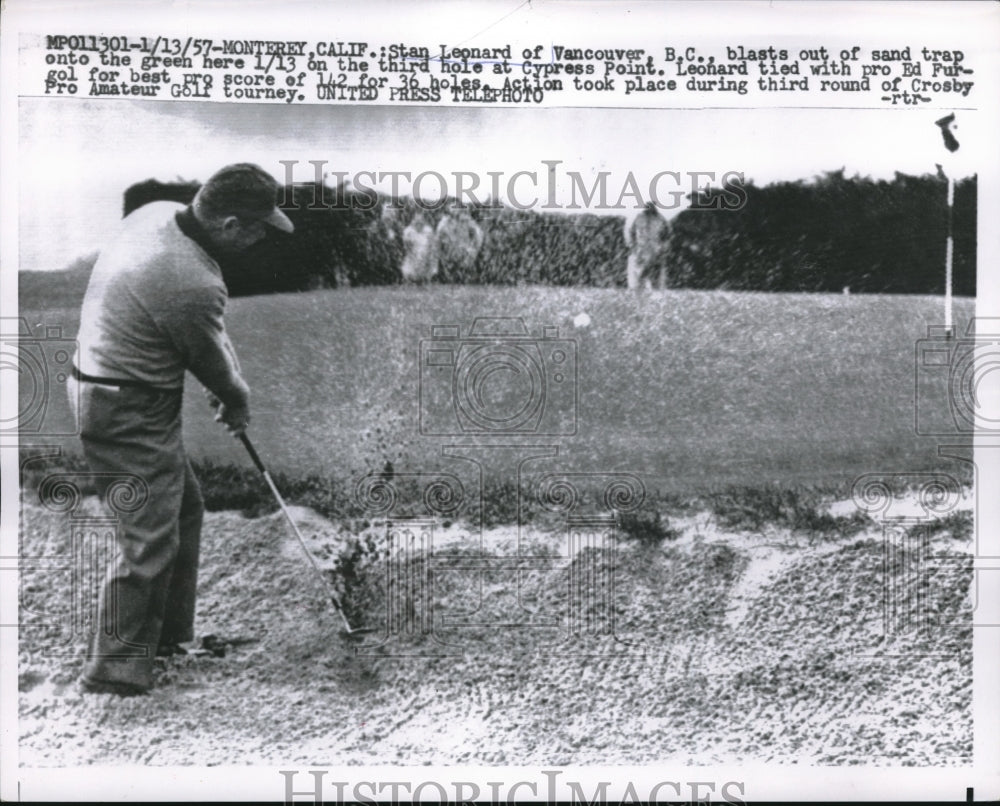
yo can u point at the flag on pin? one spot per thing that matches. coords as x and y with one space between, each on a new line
947 126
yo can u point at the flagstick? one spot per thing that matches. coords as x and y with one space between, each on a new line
948 254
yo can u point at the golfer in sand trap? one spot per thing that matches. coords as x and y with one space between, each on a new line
154 309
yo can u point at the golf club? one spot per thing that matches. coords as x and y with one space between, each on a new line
349 631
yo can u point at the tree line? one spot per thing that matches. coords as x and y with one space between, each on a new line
824 234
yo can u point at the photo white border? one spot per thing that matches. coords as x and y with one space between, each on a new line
908 22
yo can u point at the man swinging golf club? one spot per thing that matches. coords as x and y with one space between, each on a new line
153 310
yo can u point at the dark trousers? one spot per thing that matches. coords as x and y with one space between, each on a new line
148 595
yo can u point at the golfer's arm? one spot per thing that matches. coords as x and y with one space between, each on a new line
198 330
220 378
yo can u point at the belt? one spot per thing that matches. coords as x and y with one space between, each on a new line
121 382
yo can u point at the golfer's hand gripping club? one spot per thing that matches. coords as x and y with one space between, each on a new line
235 419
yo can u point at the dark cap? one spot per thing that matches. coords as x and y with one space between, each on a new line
245 190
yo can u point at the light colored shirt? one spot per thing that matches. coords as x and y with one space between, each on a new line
644 236
154 308
420 260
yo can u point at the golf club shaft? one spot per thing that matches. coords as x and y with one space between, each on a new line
255 458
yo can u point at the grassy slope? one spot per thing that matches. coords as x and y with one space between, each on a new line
54 289
688 389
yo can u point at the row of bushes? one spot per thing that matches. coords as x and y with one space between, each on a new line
885 236
798 508
872 236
